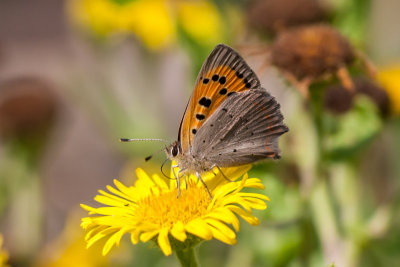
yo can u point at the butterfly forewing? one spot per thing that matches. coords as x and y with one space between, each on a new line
223 74
243 129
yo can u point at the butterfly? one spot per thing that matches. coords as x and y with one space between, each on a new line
230 120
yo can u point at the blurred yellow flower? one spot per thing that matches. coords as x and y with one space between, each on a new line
149 20
154 22
3 254
151 210
201 21
69 249
389 77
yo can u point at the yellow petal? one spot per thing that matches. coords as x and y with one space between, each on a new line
160 182
100 235
115 211
221 236
123 196
135 237
242 183
226 216
248 217
163 242
254 183
178 231
222 228
126 190
114 239
224 190
109 201
144 181
86 207
199 228
146 236
233 199
254 195
94 231
117 221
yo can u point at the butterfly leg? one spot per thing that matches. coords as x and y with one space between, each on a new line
199 177
178 183
219 169
184 177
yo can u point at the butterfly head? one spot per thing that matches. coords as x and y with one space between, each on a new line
173 150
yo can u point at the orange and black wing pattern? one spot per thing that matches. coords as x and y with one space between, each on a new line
223 73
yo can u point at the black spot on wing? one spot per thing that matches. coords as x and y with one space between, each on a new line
223 91
205 102
200 117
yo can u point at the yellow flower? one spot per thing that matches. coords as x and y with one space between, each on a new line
149 20
3 254
152 23
389 77
201 20
151 210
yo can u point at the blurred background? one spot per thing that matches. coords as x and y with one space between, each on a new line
77 75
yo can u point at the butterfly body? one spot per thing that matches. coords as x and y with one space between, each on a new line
230 119
188 163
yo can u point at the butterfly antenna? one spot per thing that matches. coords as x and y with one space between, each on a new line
145 139
142 139
149 157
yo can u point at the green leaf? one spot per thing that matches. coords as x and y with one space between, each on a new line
350 133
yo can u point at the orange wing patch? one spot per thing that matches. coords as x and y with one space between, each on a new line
223 73
211 91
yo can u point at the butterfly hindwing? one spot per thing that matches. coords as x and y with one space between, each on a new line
222 75
243 129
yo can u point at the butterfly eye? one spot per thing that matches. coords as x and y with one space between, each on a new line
174 151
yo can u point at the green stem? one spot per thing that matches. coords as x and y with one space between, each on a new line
187 257
322 202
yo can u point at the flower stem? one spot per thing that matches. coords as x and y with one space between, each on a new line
187 257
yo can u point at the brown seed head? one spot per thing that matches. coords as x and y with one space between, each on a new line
271 16
339 100
311 51
375 92
27 107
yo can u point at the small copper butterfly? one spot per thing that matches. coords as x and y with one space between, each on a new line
230 119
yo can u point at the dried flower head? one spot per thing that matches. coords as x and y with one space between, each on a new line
271 16
311 53
337 99
27 107
340 100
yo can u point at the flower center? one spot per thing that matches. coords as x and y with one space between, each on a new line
167 209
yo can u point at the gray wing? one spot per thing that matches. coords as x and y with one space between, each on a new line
245 128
